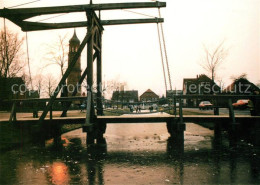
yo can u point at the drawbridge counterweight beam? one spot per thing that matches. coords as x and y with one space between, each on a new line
25 13
19 16
36 26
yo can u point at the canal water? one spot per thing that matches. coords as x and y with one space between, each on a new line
134 154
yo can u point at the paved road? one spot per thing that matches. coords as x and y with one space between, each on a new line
222 111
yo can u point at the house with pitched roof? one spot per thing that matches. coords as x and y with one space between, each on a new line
149 96
242 86
201 85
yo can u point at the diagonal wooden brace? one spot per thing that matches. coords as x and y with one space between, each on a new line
75 90
64 77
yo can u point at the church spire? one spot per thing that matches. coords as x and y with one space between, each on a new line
74 38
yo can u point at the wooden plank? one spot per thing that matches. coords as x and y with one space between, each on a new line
25 13
131 21
36 26
141 119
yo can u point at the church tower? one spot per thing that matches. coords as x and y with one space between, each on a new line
75 74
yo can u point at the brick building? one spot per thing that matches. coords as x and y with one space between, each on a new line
149 96
75 74
201 85
125 96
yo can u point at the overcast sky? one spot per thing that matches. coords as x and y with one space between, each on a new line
131 52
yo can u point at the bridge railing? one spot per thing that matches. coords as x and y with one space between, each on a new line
218 101
36 104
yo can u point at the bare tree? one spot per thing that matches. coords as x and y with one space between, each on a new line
50 85
213 59
11 62
242 76
39 83
113 85
221 84
58 53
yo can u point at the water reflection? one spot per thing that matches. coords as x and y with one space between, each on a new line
58 173
168 163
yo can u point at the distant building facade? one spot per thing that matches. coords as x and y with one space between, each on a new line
15 88
75 74
201 85
171 93
149 96
125 96
242 87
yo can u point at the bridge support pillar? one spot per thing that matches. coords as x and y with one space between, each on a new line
176 131
233 127
233 134
57 136
101 129
95 133
90 130
217 140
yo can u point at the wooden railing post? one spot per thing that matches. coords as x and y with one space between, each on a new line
180 110
216 108
231 111
13 113
175 108
51 112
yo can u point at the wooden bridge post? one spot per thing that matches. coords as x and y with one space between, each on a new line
90 103
176 128
181 127
99 83
95 30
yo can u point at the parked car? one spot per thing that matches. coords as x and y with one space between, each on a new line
165 105
82 107
205 105
240 104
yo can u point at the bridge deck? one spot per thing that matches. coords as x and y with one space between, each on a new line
140 119
165 118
